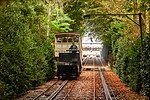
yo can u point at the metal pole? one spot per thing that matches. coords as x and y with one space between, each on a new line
140 24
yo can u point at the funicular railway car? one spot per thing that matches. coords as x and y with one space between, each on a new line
68 60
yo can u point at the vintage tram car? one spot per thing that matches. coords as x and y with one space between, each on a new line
69 61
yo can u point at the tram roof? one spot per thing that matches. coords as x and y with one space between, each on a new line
68 33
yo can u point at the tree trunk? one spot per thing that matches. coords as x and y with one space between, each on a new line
149 20
57 8
39 30
135 18
135 7
48 21
143 10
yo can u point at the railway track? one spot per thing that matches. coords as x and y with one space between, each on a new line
58 92
42 93
67 94
49 93
94 83
55 93
110 90
97 86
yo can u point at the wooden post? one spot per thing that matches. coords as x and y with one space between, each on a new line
141 33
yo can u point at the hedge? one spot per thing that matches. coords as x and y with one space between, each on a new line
132 63
26 61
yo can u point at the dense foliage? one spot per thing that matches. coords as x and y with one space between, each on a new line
27 54
130 60
131 65
145 66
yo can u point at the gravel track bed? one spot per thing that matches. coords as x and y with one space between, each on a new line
31 94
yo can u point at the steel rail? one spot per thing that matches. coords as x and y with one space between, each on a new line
94 82
45 90
86 60
100 97
54 94
106 90
110 88
69 91
121 96
105 86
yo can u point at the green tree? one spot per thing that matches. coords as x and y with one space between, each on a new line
27 54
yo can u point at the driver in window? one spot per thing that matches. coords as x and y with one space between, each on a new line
73 48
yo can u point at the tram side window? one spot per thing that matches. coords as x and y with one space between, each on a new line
69 39
58 39
64 39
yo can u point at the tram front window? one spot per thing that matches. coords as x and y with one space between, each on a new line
64 39
70 39
58 39
76 39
